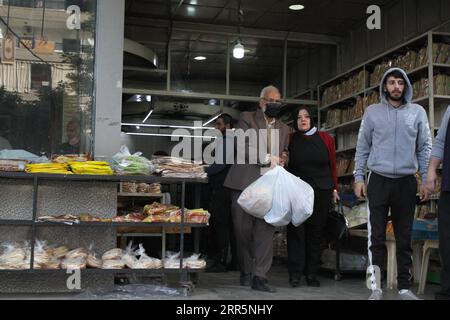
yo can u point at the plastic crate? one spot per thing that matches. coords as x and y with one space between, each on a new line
434 277
425 230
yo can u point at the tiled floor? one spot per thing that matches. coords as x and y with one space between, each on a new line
225 286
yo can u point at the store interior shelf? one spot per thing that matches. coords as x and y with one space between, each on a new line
72 179
144 195
10 222
118 224
417 69
346 124
103 271
106 178
350 149
412 72
419 100
372 88
425 100
351 97
441 65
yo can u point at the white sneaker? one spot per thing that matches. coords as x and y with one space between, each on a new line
377 294
407 295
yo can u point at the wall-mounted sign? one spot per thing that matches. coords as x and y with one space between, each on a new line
9 49
44 46
74 20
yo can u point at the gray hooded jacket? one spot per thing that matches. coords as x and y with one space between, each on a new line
393 142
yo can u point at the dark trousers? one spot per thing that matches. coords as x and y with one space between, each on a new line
304 243
254 240
220 221
444 240
399 195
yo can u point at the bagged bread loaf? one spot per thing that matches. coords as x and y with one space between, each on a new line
113 264
129 257
74 263
146 262
77 253
113 254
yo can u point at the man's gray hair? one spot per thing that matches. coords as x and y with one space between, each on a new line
268 89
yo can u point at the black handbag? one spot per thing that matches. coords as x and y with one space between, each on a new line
337 224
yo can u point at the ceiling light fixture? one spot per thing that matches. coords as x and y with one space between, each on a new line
296 7
212 119
238 50
140 98
168 135
148 116
165 126
200 58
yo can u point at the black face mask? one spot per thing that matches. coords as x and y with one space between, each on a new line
272 110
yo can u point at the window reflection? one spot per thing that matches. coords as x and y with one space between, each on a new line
46 93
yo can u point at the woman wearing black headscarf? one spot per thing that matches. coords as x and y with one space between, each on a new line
312 158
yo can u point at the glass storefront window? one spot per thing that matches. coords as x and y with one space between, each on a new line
47 86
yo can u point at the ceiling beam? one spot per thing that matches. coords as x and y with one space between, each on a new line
198 95
139 50
193 27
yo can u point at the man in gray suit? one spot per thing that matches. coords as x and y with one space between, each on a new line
254 237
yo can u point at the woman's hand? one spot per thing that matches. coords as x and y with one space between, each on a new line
284 158
335 197
275 161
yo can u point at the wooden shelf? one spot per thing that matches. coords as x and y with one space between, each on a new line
145 195
346 149
353 122
425 100
353 96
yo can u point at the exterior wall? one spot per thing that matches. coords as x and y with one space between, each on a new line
401 21
108 77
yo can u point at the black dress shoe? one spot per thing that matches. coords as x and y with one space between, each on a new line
312 281
260 284
245 279
294 279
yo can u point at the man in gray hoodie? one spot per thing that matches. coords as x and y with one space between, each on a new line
441 154
394 142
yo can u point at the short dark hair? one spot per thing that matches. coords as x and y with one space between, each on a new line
395 74
227 119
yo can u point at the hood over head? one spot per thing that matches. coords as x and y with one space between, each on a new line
408 94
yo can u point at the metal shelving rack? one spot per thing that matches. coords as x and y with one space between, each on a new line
428 70
428 101
34 223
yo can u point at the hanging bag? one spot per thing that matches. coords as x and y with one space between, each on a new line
337 224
